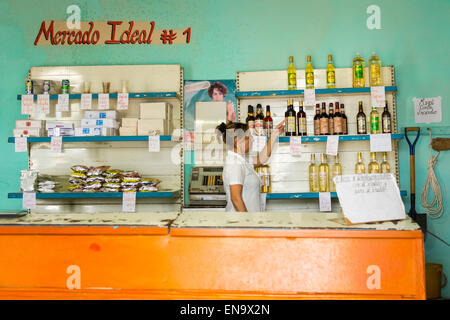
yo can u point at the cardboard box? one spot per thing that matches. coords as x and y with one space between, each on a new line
155 110
95 131
27 132
104 123
145 125
101 114
128 131
62 125
63 132
129 122
28 124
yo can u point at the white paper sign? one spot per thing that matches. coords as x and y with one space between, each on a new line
103 101
27 101
20 144
380 142
332 145
309 97
378 96
154 143
63 103
43 103
325 201
129 202
427 110
122 101
263 201
259 143
56 143
29 200
295 145
86 101
188 141
369 197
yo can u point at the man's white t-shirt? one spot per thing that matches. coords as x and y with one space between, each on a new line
237 170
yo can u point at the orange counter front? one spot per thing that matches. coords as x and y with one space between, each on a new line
208 255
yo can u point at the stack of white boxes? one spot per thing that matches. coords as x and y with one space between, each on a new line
152 116
98 123
28 128
59 128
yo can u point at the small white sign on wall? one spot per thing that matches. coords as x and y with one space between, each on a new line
427 110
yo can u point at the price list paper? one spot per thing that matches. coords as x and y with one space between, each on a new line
56 144
378 95
63 103
20 144
27 101
103 101
154 143
29 200
122 101
332 145
381 142
43 103
309 97
86 101
295 145
129 202
325 201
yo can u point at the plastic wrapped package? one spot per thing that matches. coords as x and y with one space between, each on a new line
97 171
79 168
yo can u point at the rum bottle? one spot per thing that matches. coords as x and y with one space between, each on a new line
313 175
290 119
292 75
268 122
344 120
324 120
386 120
301 120
361 120
259 121
336 170
331 76
374 167
330 119
309 74
317 121
358 71
359 167
337 120
324 174
250 120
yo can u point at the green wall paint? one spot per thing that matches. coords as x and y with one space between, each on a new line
230 36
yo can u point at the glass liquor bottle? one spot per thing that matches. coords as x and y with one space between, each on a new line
309 74
268 122
331 76
250 119
330 119
301 120
259 121
317 121
290 119
385 166
374 70
361 120
292 75
324 174
336 170
386 120
358 71
360 167
265 178
374 121
313 175
344 120
374 167
324 120
337 120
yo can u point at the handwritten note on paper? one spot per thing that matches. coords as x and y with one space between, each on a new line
154 143
381 142
295 145
122 101
332 145
29 200
86 101
129 202
369 197
103 101
325 201
309 97
56 143
63 103
378 96
27 101
427 110
43 103
20 144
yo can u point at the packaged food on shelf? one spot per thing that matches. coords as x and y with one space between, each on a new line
79 168
76 188
95 131
104 123
104 114
97 171
112 173
79 175
27 132
28 123
128 131
155 110
129 122
146 188
145 125
63 132
95 178
111 185
129 189
61 125
150 181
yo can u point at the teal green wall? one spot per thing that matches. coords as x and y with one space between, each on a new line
232 35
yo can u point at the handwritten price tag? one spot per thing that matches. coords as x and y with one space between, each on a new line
129 202
29 200
188 141
380 142
63 103
309 97
295 145
103 101
263 201
86 101
27 101
21 144
154 143
325 201
332 145
122 101
378 96
56 144
43 102
427 110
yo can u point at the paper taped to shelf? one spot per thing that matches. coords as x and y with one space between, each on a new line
29 200
369 197
103 101
63 102
27 102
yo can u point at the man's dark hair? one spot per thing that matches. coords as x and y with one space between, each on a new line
219 86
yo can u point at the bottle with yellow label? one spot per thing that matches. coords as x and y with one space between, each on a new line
385 166
264 173
359 167
313 175
358 72
290 116
292 75
374 70
324 174
309 74
336 170
374 167
331 75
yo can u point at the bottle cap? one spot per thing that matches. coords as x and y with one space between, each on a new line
330 57
300 103
373 53
291 59
357 54
267 108
250 108
308 58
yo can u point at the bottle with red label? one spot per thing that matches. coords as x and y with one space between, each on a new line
250 119
268 122
259 121
317 120
324 120
301 120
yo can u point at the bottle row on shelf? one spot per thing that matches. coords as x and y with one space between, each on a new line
358 73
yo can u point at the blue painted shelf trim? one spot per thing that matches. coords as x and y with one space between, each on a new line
131 95
80 195
92 139
308 195
276 93
359 137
